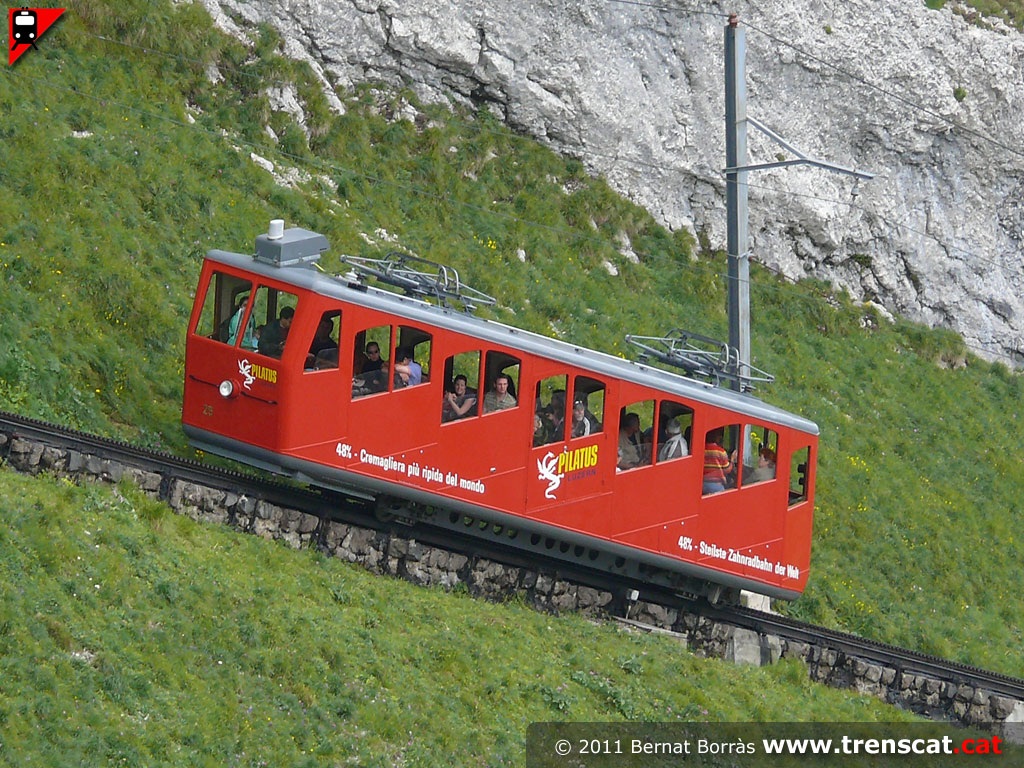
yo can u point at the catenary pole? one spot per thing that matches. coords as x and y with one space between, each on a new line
738 243
737 212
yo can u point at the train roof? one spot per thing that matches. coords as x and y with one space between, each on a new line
302 273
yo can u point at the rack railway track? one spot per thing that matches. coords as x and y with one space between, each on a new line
43 446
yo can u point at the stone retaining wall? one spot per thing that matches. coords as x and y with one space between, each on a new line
408 559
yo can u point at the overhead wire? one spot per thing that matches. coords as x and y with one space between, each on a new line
885 91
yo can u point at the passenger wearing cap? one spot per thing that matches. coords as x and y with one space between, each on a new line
581 423
675 446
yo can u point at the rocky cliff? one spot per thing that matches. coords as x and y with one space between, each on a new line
930 101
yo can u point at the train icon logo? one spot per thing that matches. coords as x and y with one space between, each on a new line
25 26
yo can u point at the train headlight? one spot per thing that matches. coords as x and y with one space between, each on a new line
227 388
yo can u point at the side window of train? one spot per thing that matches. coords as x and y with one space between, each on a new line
461 398
411 363
674 436
223 312
587 407
549 410
759 452
635 435
501 377
273 312
323 349
722 453
370 365
798 466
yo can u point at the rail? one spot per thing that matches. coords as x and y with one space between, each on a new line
475 540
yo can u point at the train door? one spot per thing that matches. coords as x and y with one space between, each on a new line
392 389
482 418
656 474
320 394
571 455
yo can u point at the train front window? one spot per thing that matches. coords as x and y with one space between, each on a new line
223 311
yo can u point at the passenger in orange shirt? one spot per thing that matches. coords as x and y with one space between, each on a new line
716 462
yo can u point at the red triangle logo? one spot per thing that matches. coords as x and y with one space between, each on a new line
25 26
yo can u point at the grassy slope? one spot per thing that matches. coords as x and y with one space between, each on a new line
109 195
131 636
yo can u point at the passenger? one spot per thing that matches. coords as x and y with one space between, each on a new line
251 336
554 423
582 423
540 429
766 461
558 404
460 403
373 376
499 398
408 373
662 432
675 446
322 346
716 462
374 362
276 333
631 453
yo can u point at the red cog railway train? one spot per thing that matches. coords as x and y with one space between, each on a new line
433 413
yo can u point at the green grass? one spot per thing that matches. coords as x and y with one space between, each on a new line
1010 11
109 195
132 636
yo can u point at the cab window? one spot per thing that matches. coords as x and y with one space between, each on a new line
461 398
411 361
501 373
587 415
722 452
549 410
760 447
323 349
370 366
224 311
635 435
798 467
675 431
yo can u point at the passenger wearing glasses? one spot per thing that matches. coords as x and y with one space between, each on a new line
373 377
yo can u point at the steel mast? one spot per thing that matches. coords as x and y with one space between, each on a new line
738 238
